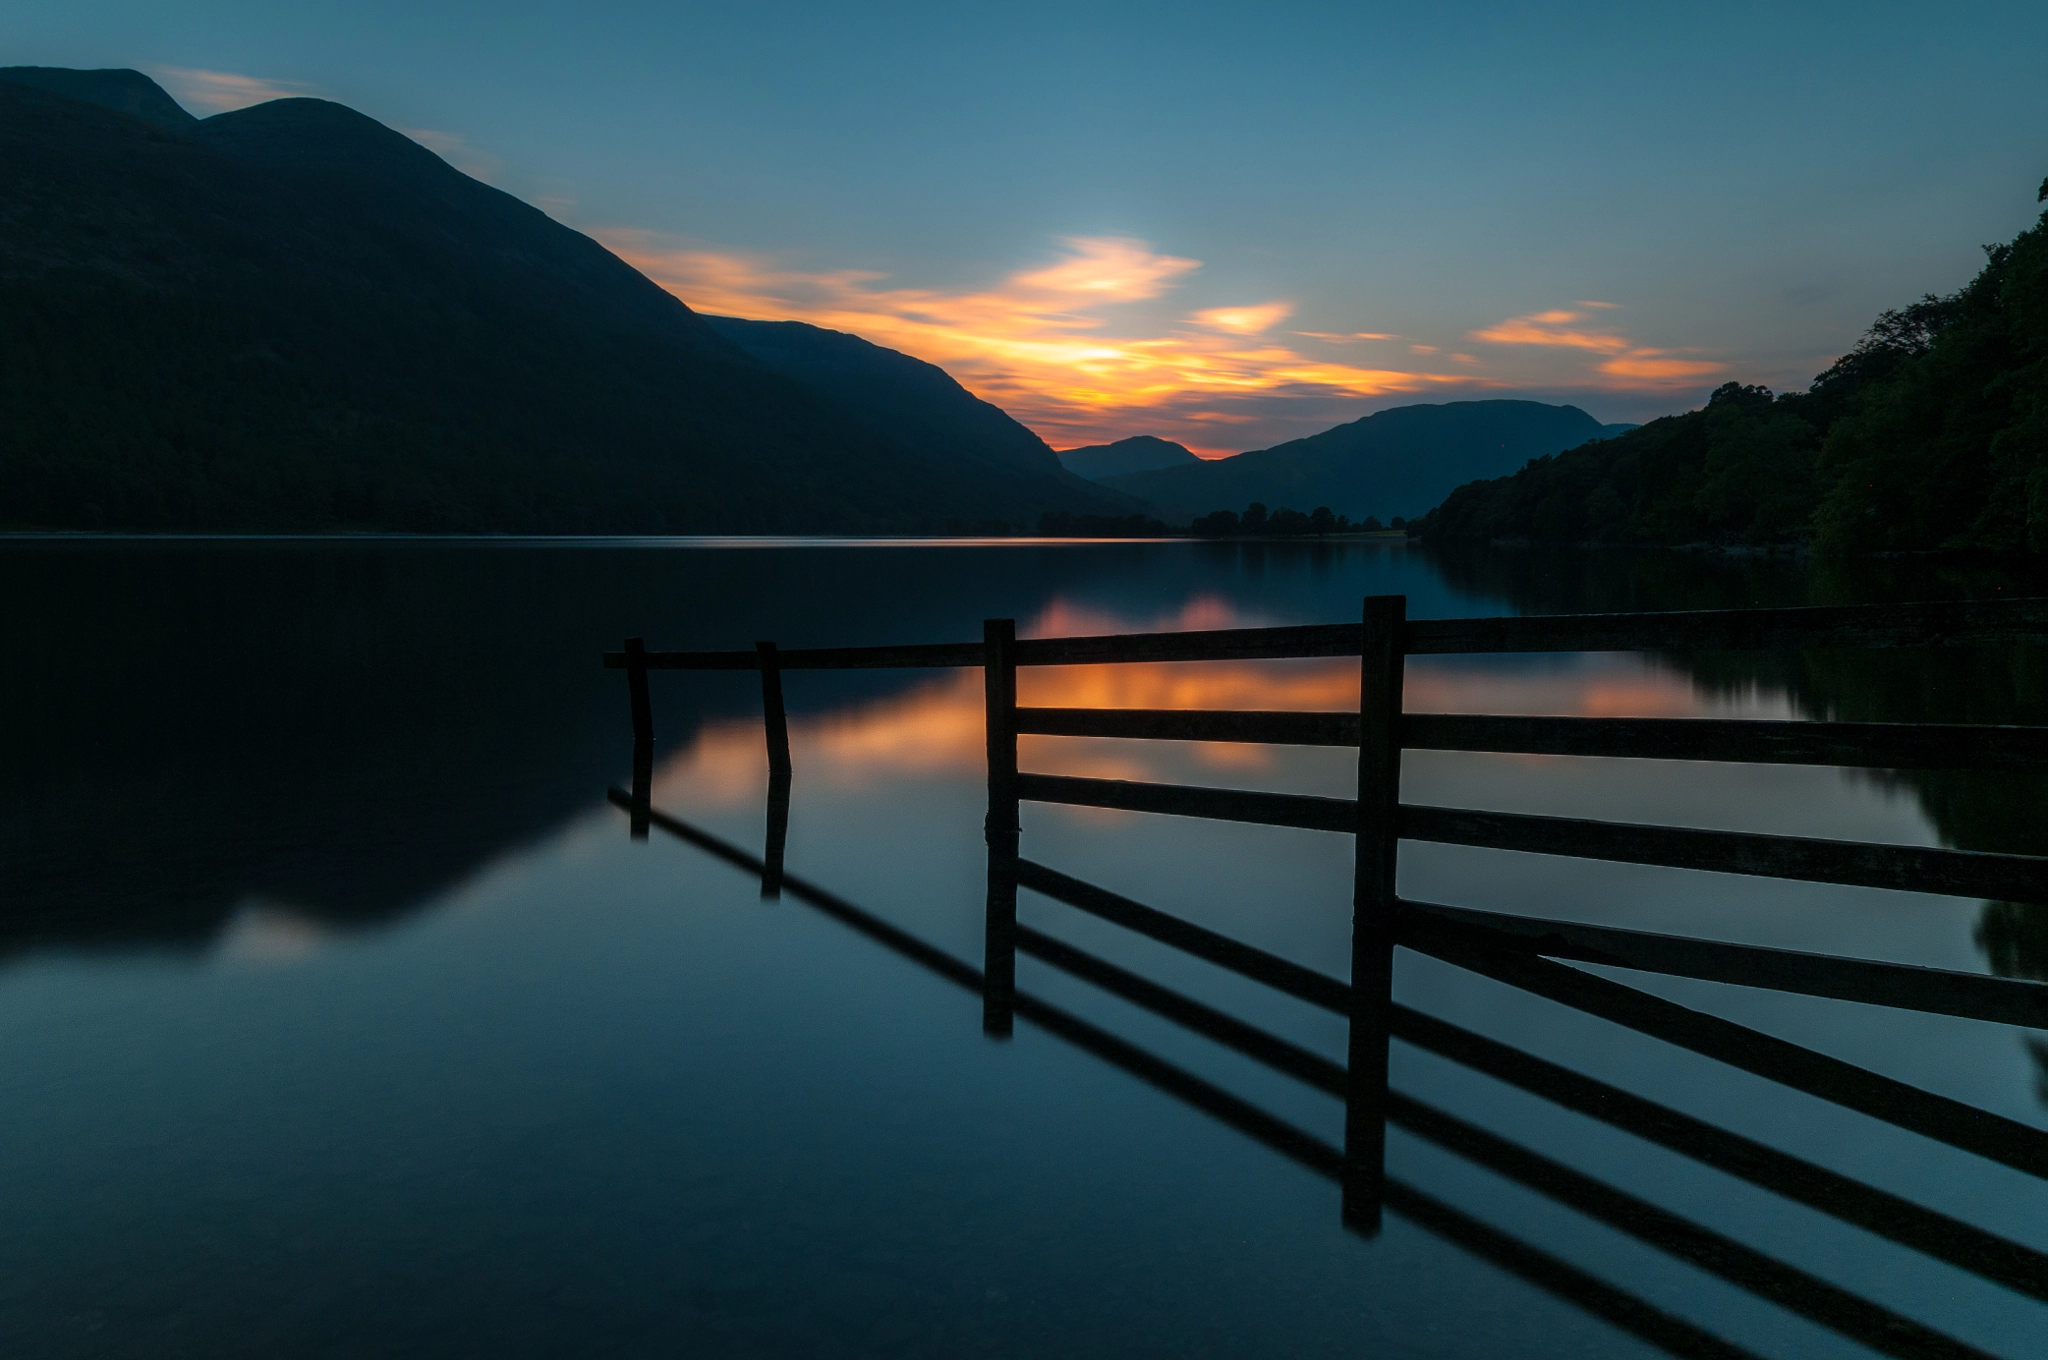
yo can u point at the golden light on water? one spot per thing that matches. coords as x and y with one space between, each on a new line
936 726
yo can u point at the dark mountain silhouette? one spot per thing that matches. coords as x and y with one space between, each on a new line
129 92
1395 462
1139 453
921 407
292 318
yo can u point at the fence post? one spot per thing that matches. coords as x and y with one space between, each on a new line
636 689
774 718
1381 665
643 788
999 965
778 835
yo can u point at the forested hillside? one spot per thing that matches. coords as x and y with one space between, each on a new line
1932 433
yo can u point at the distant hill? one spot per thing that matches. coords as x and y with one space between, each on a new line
921 408
1139 453
1931 434
1400 461
292 318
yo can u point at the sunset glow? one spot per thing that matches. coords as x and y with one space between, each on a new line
936 727
1046 344
1060 347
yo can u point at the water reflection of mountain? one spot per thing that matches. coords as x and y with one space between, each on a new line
347 729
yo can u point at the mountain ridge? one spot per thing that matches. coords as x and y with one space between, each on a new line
292 318
1137 453
1399 461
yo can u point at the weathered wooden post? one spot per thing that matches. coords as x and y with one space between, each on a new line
636 689
774 718
778 835
999 966
1373 905
643 788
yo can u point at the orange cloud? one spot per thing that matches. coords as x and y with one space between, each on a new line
220 91
1244 320
1648 364
1549 328
1562 329
1056 346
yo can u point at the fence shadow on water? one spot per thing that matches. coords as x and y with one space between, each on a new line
1530 954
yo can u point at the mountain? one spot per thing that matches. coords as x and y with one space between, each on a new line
1139 453
129 92
1931 434
1400 461
921 407
292 318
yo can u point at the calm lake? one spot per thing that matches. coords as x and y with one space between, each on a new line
341 1016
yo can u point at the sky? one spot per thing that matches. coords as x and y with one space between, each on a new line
1226 225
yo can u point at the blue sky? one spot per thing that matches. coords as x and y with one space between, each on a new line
1229 225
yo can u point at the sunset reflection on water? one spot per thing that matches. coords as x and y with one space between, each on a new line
935 727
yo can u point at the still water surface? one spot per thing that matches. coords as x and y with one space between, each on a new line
340 1016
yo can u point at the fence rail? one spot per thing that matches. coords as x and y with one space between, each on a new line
1884 746
1931 1232
1532 954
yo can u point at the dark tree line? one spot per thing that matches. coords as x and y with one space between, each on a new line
1257 522
1932 433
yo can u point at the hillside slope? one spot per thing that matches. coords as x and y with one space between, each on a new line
1931 434
922 408
291 318
1400 461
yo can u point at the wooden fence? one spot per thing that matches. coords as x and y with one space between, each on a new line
1521 951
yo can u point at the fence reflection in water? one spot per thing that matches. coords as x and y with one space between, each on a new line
1519 951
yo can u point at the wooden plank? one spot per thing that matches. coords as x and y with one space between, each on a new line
1186 800
1174 724
1305 984
1905 868
1000 827
1930 624
1375 909
1763 1275
1939 991
1255 1043
1901 1220
1884 746
1670 1334
1529 1263
636 690
774 717
1963 1126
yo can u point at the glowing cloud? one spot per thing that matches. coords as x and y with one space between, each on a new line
221 91
1564 329
1550 328
1244 320
1052 344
